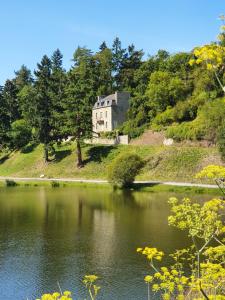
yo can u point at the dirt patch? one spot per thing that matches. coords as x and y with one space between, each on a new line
212 159
149 137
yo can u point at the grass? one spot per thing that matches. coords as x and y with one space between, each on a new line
161 163
153 188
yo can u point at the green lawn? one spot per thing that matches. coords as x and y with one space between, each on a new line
161 162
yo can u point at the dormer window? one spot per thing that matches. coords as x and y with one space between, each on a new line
97 103
102 103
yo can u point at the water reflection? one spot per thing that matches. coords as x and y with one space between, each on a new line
59 235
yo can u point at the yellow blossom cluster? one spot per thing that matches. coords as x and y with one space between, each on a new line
151 253
57 296
168 281
212 172
212 55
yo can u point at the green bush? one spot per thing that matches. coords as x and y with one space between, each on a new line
109 134
186 131
20 134
212 113
132 130
123 169
221 141
10 183
55 184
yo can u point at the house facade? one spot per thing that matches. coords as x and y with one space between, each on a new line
110 112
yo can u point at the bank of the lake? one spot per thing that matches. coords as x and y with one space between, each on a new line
175 163
152 187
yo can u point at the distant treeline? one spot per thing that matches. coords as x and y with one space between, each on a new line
166 94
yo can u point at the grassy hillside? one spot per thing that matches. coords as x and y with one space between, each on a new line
178 163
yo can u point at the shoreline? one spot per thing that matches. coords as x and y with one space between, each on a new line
101 181
138 186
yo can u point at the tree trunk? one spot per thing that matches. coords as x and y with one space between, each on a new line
46 153
79 155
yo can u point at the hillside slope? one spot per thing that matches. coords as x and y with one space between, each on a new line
178 163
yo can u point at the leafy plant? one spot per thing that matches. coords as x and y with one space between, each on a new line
55 184
123 169
10 183
205 264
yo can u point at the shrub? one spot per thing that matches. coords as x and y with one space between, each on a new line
123 169
20 133
55 184
109 134
221 141
212 113
186 131
132 129
10 183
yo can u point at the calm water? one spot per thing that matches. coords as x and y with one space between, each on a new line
59 235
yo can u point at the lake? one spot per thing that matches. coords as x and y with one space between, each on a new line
58 235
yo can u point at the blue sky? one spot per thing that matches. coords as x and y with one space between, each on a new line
30 29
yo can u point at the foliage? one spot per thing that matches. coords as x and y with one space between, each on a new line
123 169
212 171
212 56
205 126
205 264
90 283
221 140
10 183
57 296
186 131
164 90
20 133
80 97
55 184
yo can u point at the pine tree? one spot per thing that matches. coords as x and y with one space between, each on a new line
44 103
5 120
131 62
118 55
23 78
81 95
58 83
104 67
11 100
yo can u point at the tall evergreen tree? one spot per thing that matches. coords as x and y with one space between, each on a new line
118 55
58 83
23 77
44 103
81 95
105 70
11 100
5 120
131 62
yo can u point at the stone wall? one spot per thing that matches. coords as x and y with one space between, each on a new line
121 139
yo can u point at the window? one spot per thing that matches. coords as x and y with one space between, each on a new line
96 115
105 124
106 114
96 125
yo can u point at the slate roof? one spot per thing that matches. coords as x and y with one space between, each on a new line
105 102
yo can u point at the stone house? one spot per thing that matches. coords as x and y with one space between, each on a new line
110 112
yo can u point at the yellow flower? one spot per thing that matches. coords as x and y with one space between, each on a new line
148 279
